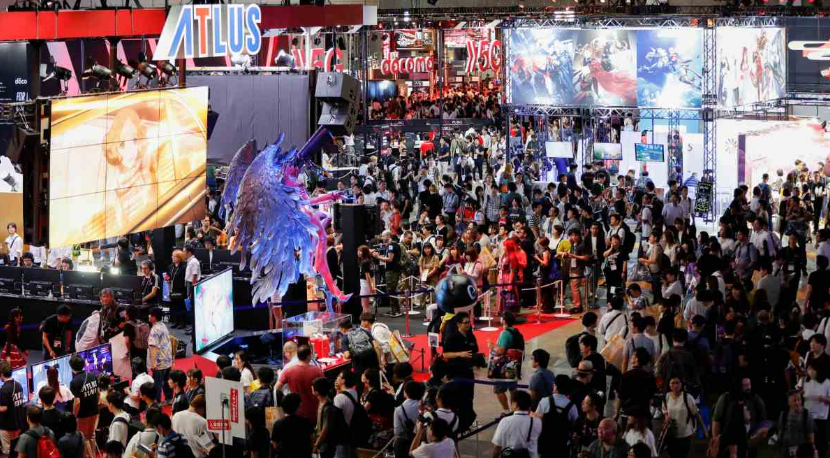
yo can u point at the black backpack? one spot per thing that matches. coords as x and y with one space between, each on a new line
361 426
408 426
556 429
518 339
629 241
572 350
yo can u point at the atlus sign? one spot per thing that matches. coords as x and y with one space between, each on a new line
193 31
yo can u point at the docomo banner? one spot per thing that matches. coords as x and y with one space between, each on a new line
193 31
483 55
421 64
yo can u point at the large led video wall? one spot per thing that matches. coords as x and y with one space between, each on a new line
128 162
751 65
606 67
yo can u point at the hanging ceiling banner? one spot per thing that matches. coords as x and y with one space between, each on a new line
193 31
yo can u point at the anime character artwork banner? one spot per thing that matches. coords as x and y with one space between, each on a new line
128 162
751 66
601 67
669 68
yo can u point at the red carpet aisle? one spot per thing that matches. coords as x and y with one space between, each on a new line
207 366
529 330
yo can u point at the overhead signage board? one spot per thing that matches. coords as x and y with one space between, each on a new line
193 31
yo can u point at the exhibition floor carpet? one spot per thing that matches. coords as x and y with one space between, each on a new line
530 330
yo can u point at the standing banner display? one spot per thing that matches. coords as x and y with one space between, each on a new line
703 199
225 409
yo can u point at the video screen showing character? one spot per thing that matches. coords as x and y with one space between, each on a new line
541 66
751 65
605 66
670 68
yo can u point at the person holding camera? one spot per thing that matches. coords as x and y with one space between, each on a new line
440 445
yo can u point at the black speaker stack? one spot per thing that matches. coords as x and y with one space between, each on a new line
338 93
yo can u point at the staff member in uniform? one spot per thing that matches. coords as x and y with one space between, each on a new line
178 290
14 243
150 284
192 275
84 387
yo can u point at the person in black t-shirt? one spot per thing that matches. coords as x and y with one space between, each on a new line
178 382
150 284
52 417
84 387
57 333
391 255
290 434
12 408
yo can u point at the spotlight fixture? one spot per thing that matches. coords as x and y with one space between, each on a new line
62 73
169 69
124 70
284 59
147 70
98 72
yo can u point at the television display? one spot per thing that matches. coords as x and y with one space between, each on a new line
752 65
607 151
126 162
559 149
21 376
98 360
213 307
647 152
39 372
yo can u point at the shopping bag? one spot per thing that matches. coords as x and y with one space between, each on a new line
612 352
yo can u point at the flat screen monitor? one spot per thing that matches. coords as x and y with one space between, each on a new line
98 360
10 279
607 151
81 285
39 372
125 288
213 309
40 282
648 152
559 149
21 376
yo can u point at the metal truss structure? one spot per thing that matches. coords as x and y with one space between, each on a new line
709 104
20 113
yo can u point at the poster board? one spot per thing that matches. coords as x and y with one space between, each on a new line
225 409
703 199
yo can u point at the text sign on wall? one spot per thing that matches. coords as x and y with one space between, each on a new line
320 58
421 64
483 55
193 31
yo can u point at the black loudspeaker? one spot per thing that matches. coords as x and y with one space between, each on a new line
163 241
295 301
22 140
374 225
339 119
352 221
336 88
336 215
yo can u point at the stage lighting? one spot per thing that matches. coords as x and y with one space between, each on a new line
98 72
147 70
124 70
63 74
169 69
284 59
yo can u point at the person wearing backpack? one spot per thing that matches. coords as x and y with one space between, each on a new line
72 444
119 429
509 339
680 409
589 327
359 345
518 431
406 417
174 445
559 415
38 441
330 433
56 333
136 333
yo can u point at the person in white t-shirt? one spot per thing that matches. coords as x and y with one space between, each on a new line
240 361
440 444
518 431
133 393
192 425
817 402
14 244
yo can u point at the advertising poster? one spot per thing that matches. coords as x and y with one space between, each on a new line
752 65
123 163
670 68
14 80
213 309
569 67
808 53
225 409
541 66
458 38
